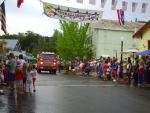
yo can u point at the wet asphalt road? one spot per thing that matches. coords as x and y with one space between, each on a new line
70 94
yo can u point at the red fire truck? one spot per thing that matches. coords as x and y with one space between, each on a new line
47 61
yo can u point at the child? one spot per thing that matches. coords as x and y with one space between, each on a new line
34 77
19 78
24 70
108 73
29 79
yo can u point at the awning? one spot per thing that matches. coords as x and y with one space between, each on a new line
146 52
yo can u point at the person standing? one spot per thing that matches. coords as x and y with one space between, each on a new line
129 71
21 60
19 78
141 74
99 69
29 79
33 77
11 70
86 69
24 71
104 69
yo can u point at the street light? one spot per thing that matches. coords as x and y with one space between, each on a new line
121 58
122 38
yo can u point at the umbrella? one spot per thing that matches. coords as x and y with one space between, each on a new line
146 52
130 51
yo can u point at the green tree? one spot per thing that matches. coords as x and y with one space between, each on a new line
33 43
73 41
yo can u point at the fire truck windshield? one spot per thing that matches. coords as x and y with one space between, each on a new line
48 56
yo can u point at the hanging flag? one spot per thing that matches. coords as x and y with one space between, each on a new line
144 7
19 2
124 5
79 1
93 2
3 17
113 5
134 6
71 14
103 2
120 14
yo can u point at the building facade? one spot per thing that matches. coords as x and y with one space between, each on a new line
107 36
143 35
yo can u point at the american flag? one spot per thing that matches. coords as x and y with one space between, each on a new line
103 2
124 5
93 2
79 1
134 6
113 5
120 14
144 7
3 17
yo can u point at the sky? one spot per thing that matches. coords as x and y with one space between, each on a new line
30 15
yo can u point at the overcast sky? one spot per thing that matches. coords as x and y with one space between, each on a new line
30 15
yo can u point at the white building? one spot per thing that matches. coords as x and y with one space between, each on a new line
107 36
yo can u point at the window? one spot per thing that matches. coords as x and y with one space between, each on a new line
48 56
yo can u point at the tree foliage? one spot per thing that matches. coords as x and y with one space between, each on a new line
33 43
73 41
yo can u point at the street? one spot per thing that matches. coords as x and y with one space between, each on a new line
63 93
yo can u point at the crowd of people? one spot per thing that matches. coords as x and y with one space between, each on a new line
137 71
18 75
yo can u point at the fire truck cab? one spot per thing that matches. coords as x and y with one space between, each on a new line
47 61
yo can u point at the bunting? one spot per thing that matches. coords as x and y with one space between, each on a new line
103 2
71 14
144 7
134 6
79 1
113 5
124 5
19 2
93 2
120 14
3 17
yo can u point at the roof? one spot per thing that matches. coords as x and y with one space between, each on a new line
10 43
114 25
142 30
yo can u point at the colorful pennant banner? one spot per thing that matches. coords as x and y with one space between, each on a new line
124 5
144 7
113 5
103 2
134 6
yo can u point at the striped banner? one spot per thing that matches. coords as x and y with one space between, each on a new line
71 14
3 17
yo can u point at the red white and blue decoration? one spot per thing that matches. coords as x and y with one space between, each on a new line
121 19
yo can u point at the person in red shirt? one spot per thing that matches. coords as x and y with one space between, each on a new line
104 69
19 78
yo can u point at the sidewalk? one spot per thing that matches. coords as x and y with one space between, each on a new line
94 76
